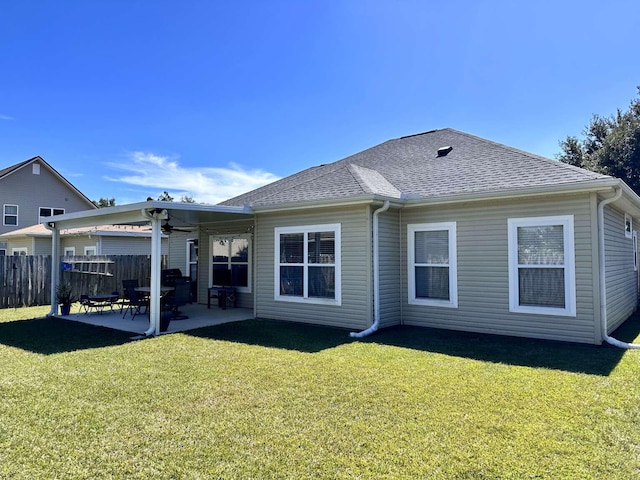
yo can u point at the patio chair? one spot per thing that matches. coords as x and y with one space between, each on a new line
85 304
180 297
126 285
135 301
115 300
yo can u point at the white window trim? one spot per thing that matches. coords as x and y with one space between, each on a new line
628 225
91 248
215 238
69 251
4 215
19 251
40 217
306 229
188 263
569 265
412 229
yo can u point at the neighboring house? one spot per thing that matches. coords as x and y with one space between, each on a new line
92 240
31 190
441 229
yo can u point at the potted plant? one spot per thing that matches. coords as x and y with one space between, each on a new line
64 297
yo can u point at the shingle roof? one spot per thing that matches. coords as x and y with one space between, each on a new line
12 168
411 166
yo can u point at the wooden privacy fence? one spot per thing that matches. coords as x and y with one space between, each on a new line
25 281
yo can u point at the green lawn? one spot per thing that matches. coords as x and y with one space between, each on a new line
262 399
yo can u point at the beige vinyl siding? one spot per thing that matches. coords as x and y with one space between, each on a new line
128 246
621 279
355 312
177 248
25 242
390 275
483 270
78 242
42 246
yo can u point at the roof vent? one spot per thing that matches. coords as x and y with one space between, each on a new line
443 151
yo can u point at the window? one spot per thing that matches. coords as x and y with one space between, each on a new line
10 215
92 250
542 265
69 251
432 261
19 251
35 169
231 262
49 212
3 252
192 258
307 264
628 225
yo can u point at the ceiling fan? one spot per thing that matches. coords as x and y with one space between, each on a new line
167 228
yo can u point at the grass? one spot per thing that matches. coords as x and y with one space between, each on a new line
262 399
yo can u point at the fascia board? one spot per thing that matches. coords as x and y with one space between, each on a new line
605 185
344 202
133 213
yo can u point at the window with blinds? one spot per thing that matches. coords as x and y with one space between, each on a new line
432 264
307 264
542 265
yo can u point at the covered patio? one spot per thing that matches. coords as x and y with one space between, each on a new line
199 316
186 217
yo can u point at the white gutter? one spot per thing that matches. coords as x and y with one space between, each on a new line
603 287
155 216
600 185
376 275
55 267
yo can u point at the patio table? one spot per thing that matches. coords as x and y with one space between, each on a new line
100 302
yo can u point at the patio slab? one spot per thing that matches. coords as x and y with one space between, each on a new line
199 316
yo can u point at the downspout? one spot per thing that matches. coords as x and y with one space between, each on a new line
603 287
156 217
376 275
55 267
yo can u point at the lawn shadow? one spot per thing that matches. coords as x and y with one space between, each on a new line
571 357
276 334
49 335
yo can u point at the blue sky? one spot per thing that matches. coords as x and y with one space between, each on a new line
127 98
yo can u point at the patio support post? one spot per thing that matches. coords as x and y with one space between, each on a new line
55 267
156 216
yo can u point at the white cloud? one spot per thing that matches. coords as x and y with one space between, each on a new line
205 185
5 117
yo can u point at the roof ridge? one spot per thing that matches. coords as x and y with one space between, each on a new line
17 166
358 172
530 154
309 180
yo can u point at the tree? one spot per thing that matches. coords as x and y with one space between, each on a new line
611 145
165 197
104 202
